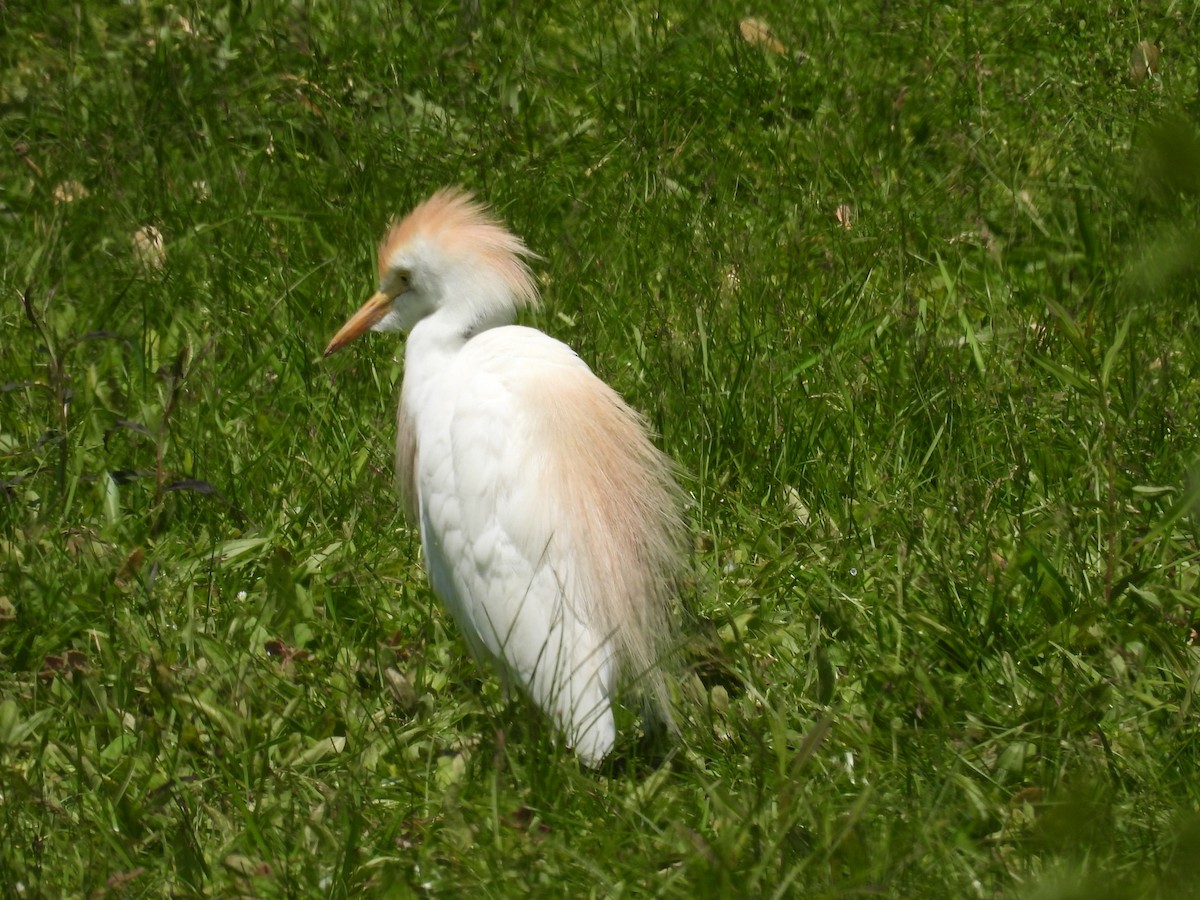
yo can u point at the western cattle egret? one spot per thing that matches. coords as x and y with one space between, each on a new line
551 526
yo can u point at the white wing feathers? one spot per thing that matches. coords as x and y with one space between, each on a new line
551 525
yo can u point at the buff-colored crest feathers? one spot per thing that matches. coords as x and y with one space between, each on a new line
461 226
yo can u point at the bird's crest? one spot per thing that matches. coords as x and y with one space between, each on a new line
460 226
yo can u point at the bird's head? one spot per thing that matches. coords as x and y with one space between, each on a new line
449 255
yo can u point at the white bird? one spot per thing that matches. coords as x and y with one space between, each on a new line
551 526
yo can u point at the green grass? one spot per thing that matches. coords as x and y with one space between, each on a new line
941 638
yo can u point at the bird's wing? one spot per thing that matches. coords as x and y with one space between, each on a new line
500 547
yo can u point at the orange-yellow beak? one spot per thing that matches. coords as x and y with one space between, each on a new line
368 314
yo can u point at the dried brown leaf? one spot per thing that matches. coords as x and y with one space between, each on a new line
148 247
1143 60
130 568
757 32
69 191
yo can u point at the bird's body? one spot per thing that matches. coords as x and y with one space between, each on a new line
551 525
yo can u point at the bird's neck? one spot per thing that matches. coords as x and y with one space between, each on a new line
430 352
439 336
448 328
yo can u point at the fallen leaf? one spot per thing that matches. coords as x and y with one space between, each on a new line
757 32
797 507
148 247
246 867
524 819
1143 60
401 688
282 650
128 571
118 880
69 191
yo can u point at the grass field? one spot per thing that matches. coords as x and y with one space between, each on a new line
908 289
